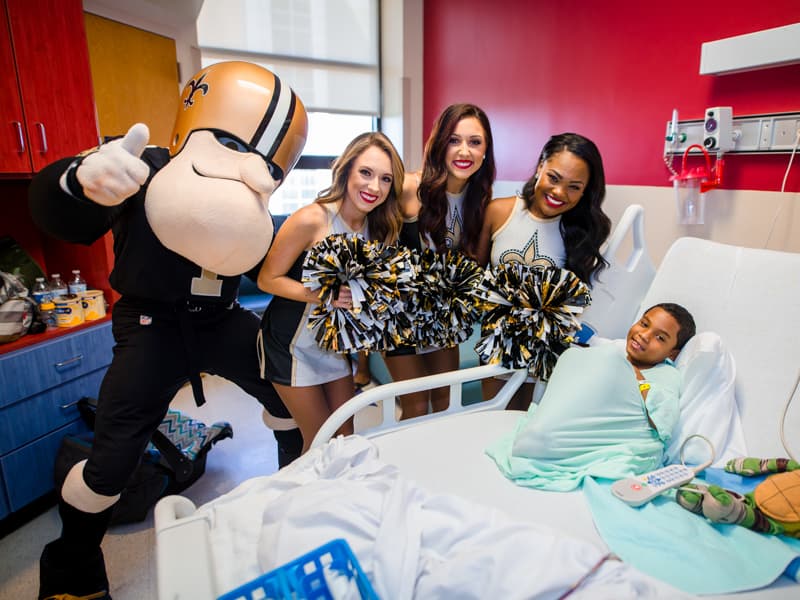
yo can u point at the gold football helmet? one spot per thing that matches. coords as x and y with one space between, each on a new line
250 103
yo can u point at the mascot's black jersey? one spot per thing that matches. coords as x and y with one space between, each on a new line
143 268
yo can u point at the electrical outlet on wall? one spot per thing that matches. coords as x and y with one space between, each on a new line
784 133
765 139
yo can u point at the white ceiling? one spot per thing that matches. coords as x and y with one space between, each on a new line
172 13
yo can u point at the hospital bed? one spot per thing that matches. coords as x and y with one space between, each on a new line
750 297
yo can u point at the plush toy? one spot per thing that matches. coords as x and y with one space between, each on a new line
188 221
773 507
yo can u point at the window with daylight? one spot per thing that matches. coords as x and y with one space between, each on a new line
326 50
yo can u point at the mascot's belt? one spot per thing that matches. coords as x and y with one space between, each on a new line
195 307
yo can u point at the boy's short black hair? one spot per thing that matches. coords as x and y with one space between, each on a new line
684 318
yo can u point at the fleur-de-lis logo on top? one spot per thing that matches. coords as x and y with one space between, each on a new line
195 86
528 255
454 228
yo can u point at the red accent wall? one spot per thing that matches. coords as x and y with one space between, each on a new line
612 70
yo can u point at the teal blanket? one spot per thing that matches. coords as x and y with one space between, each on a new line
686 550
591 421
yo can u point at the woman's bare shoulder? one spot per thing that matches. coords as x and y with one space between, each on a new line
499 209
308 218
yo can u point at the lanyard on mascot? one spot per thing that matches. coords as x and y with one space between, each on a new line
187 335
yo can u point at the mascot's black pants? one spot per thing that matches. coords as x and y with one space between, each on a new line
154 356
158 348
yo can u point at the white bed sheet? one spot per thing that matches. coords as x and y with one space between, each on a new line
446 455
411 542
751 298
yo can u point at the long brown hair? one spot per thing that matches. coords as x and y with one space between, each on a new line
385 220
433 182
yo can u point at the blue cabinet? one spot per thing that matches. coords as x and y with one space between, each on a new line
40 387
28 471
3 502
40 367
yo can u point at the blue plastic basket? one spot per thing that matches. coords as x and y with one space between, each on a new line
304 578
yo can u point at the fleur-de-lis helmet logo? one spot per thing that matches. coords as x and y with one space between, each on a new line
251 104
194 86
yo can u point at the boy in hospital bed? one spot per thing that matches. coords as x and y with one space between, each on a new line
608 410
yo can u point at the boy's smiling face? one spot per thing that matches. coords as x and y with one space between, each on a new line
653 338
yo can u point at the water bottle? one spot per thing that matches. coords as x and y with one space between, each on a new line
57 286
47 310
41 291
77 285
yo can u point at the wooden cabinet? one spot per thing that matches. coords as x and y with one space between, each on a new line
46 96
47 106
139 65
53 256
41 385
14 156
46 113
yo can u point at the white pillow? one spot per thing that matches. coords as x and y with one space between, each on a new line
708 403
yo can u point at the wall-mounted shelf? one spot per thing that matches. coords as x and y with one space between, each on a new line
758 134
758 50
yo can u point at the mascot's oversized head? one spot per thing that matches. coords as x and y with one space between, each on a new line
238 133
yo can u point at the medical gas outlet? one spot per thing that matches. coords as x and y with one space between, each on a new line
718 129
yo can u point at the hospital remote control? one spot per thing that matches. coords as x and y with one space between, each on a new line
639 490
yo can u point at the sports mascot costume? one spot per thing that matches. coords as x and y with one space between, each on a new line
188 221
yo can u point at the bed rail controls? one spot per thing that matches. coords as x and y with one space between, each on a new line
636 491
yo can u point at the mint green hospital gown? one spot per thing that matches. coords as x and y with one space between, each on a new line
592 421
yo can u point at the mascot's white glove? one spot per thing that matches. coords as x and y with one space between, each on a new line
115 172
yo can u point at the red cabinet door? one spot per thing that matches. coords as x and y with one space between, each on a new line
52 58
14 157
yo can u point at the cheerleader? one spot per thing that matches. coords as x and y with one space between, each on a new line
363 199
443 207
556 221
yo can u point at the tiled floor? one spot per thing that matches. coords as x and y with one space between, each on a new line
130 549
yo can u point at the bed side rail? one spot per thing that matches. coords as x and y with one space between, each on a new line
618 291
178 529
386 394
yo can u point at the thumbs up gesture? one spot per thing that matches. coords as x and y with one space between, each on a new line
115 172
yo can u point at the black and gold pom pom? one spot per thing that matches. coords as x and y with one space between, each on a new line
377 276
531 314
444 306
461 275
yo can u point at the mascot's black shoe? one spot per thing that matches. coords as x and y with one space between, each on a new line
70 574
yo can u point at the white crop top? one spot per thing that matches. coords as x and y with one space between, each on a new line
528 239
337 224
